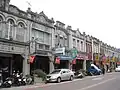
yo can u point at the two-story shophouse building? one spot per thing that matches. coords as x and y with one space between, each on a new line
14 31
41 41
78 42
25 35
88 51
61 49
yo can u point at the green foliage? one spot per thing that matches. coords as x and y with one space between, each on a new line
40 74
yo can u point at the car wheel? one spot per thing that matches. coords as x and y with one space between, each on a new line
71 78
58 79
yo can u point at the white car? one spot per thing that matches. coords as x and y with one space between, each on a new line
59 75
117 69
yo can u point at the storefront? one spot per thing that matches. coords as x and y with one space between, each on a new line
78 62
88 60
42 61
63 61
62 58
13 56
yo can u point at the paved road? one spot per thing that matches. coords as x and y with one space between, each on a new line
109 81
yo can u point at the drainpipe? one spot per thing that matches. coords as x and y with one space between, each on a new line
84 63
92 48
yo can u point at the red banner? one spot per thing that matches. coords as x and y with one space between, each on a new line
32 59
74 61
57 61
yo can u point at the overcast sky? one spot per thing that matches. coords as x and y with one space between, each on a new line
99 18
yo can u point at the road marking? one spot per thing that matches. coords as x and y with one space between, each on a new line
100 78
88 87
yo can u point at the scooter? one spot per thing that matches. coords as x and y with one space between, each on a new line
78 74
29 79
23 82
7 83
1 79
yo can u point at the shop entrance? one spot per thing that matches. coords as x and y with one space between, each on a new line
88 64
64 64
17 63
78 65
40 62
10 62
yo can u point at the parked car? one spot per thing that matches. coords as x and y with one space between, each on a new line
117 69
59 75
94 70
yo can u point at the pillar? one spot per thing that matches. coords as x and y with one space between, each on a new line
51 63
84 65
26 66
51 67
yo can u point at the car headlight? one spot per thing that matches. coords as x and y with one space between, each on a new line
53 77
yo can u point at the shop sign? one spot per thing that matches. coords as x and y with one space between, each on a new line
60 51
13 48
74 52
81 57
97 57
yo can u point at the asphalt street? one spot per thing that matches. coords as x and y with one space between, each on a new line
110 81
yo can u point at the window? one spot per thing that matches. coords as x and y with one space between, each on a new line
78 45
20 32
1 19
47 47
74 43
1 26
61 41
66 43
38 35
46 38
9 33
81 45
40 46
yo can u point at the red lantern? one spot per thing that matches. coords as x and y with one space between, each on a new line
32 59
57 61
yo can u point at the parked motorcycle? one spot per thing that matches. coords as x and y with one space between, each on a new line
79 74
7 82
29 79
23 78
1 79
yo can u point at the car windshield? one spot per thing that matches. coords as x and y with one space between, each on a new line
55 72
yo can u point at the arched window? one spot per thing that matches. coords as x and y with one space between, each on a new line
1 19
21 25
20 32
10 29
1 26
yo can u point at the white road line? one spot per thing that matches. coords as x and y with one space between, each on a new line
100 78
88 87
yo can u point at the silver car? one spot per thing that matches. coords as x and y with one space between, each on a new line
59 75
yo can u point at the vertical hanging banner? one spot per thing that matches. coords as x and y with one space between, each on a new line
32 58
74 61
57 61
113 59
97 57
